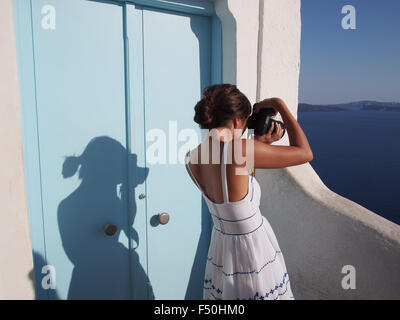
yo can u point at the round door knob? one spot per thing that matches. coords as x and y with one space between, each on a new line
110 229
163 217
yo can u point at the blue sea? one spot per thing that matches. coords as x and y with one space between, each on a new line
357 155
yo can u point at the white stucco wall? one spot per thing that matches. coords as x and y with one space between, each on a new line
320 232
15 247
240 43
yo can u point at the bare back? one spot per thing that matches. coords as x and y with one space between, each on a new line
208 175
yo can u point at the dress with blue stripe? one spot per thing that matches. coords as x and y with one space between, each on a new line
244 259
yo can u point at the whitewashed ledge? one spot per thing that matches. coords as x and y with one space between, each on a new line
320 232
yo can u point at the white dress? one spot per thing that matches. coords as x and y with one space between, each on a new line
244 259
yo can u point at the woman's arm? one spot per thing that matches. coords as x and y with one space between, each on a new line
270 156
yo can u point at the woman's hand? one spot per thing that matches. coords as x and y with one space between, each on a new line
268 103
271 136
298 152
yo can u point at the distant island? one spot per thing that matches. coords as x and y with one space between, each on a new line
360 105
380 108
304 107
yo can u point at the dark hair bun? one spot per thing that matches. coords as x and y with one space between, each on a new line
205 110
219 105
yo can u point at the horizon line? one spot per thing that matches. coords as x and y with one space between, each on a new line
352 102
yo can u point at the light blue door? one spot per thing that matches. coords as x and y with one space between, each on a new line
176 65
81 133
98 79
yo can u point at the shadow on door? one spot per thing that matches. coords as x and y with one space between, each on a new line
102 264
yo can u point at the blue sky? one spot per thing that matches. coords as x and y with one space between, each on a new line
338 65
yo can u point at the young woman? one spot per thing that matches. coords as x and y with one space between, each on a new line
244 259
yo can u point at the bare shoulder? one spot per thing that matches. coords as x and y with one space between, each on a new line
192 156
242 151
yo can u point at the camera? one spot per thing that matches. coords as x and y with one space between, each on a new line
261 121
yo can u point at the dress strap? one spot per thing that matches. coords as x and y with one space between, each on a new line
224 181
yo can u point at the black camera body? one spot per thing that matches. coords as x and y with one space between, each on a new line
261 122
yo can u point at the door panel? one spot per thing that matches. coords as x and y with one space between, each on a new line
176 67
104 76
79 69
